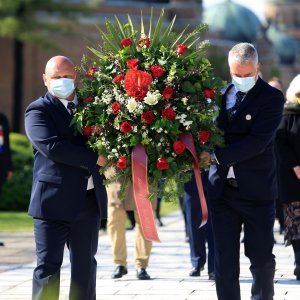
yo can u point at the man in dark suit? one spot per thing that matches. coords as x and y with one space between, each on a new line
68 198
6 169
242 184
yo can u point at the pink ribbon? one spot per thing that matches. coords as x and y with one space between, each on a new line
140 193
187 139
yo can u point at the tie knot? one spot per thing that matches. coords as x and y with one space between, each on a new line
71 105
239 96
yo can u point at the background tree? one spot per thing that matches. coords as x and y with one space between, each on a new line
25 21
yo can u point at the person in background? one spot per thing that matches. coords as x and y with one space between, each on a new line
242 185
6 167
276 83
68 199
116 228
197 237
288 147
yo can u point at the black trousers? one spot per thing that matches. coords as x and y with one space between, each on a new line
229 213
81 237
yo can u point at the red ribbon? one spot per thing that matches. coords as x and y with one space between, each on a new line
187 138
140 193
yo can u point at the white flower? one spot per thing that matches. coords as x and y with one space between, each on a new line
208 100
159 130
184 100
152 98
131 105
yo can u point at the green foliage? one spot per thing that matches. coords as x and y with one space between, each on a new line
15 221
15 194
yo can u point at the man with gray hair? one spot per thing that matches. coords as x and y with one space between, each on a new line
242 184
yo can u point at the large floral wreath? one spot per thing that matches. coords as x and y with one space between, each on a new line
148 88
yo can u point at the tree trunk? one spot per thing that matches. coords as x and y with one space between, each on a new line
17 85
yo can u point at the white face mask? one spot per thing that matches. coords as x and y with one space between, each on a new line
244 84
62 87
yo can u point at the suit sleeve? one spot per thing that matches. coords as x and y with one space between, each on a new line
44 137
262 132
287 156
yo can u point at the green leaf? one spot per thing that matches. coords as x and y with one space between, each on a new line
167 32
188 87
157 30
142 25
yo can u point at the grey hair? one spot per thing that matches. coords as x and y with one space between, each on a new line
242 53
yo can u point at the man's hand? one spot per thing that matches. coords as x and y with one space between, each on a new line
204 159
9 175
101 161
297 171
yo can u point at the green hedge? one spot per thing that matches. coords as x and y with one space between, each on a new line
15 193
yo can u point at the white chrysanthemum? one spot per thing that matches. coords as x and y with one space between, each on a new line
131 105
152 98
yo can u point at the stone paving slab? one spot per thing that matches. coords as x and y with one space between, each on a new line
169 267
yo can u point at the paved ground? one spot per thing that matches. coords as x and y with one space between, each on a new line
169 268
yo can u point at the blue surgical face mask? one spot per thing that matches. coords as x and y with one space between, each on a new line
62 87
244 84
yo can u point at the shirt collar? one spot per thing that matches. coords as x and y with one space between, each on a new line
65 101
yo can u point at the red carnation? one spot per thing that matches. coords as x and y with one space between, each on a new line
126 42
157 71
87 99
181 49
122 162
126 127
116 106
148 117
144 42
179 147
168 92
87 131
204 136
209 93
91 72
162 164
168 113
118 78
133 63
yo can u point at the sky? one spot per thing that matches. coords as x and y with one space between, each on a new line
257 6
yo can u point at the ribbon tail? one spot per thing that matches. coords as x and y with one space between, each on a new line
187 138
140 193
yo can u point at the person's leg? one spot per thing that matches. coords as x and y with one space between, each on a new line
50 239
259 220
296 248
227 225
117 232
197 236
142 248
83 245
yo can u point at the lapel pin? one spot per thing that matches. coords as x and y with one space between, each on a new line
248 117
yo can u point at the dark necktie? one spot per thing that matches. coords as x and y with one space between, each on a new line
71 106
239 98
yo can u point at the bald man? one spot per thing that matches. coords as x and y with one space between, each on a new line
68 198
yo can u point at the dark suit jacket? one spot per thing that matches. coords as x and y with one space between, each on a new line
62 163
288 146
249 144
5 155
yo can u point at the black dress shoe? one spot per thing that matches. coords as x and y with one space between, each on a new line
119 272
211 276
1 244
142 274
196 271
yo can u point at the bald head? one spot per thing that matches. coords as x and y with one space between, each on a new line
59 67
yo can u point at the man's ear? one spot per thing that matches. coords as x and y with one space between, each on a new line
45 79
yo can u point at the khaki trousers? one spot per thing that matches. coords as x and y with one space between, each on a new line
116 228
